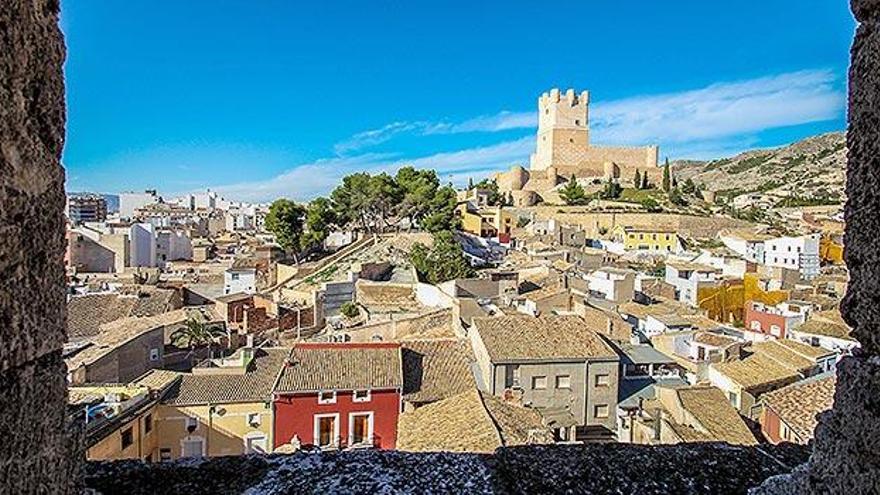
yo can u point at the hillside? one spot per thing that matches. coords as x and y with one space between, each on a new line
808 172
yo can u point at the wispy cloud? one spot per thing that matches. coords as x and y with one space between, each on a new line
720 110
312 179
717 120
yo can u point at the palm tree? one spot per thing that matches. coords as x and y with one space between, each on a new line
196 333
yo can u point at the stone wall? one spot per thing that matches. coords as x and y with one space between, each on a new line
39 454
846 454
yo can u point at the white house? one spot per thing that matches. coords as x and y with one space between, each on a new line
730 263
612 284
240 279
800 253
142 239
653 325
172 246
687 278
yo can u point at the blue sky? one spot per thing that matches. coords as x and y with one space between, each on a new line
274 98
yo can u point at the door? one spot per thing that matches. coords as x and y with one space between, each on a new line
326 431
360 429
255 445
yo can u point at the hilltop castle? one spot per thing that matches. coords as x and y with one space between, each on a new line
563 149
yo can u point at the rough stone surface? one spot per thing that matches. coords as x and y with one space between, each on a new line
610 468
31 181
846 457
861 306
39 453
865 9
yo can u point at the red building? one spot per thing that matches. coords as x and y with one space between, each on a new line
340 395
774 321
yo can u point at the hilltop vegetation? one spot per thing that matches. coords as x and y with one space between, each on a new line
808 172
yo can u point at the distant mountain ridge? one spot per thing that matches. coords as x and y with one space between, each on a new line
810 171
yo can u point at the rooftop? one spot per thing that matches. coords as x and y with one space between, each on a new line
254 385
826 326
798 403
714 339
86 313
468 422
435 369
757 372
550 337
710 407
314 367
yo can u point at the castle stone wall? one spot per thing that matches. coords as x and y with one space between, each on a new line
39 453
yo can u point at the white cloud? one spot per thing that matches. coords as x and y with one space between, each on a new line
720 110
313 179
717 120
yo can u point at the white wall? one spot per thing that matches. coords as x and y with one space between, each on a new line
130 201
143 245
431 296
240 280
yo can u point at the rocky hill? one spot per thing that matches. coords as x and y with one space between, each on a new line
805 173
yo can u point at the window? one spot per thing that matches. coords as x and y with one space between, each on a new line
731 396
191 424
326 430
234 276
164 455
563 381
192 447
360 427
154 354
577 121
361 396
511 376
755 325
127 438
775 330
602 380
253 419
327 397
539 382
600 411
783 431
148 423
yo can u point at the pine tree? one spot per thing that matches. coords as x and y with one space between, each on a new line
645 184
470 183
666 176
573 193
637 182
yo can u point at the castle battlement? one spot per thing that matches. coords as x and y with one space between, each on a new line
554 96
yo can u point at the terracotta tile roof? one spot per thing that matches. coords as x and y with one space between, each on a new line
757 373
157 379
86 313
691 267
545 293
118 332
550 337
827 326
436 369
468 422
255 385
791 354
713 339
798 403
342 367
711 409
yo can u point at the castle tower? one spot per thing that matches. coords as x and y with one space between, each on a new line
563 129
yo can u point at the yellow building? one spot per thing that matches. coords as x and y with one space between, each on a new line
485 222
641 239
120 420
223 407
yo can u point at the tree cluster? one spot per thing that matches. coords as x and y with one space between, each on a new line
365 202
443 261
